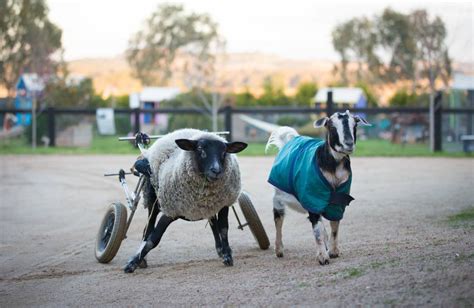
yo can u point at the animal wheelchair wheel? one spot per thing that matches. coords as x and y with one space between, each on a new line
253 221
111 232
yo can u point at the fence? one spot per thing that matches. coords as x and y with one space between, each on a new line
228 112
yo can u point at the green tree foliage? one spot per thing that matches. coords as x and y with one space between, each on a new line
410 41
168 32
245 99
369 93
405 98
397 37
28 39
305 94
430 36
273 94
60 93
341 41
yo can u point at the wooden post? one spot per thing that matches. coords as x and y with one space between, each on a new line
228 121
51 127
33 123
136 127
329 104
438 121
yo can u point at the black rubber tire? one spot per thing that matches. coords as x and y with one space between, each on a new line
111 233
253 221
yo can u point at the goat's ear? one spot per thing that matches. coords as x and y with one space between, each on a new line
186 144
235 147
321 122
361 121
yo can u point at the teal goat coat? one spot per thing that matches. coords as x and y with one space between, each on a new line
296 171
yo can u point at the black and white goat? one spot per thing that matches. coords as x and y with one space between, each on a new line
331 158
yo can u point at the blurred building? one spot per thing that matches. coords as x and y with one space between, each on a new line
150 98
342 97
28 88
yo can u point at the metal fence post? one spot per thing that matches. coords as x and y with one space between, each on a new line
438 120
51 127
329 104
228 121
136 113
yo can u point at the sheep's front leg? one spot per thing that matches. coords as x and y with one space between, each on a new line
321 238
152 241
217 237
223 225
334 250
278 217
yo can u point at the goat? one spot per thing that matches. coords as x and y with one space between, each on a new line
314 176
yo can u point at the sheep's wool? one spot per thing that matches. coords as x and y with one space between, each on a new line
296 171
181 190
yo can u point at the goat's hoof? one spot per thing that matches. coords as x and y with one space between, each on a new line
325 262
228 261
323 258
143 264
131 265
333 255
219 252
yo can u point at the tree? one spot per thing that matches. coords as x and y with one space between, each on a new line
397 38
273 94
356 40
341 41
305 93
28 40
170 31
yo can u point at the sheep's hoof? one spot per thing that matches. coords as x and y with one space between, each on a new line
228 261
333 255
143 264
131 265
279 254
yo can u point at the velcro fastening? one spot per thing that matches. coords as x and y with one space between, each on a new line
340 198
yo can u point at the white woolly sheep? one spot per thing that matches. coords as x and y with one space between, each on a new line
194 176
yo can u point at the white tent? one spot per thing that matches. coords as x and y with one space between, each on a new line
158 94
341 95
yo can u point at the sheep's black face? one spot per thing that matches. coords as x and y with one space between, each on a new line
342 130
210 154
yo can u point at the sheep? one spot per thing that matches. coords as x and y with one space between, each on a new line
194 176
314 176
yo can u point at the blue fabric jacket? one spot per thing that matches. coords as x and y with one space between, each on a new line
296 171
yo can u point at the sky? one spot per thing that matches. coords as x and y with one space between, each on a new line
296 29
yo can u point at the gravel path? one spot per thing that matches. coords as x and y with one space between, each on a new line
397 247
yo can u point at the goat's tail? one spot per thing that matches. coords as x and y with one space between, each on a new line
280 137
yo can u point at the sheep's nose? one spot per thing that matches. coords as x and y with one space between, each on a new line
216 170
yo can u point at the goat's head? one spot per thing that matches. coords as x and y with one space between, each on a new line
342 130
210 154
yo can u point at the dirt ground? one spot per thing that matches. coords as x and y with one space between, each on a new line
397 247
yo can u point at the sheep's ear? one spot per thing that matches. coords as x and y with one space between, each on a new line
321 122
235 147
361 121
186 144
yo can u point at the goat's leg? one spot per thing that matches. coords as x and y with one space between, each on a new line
278 217
321 238
152 241
223 225
217 237
334 250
